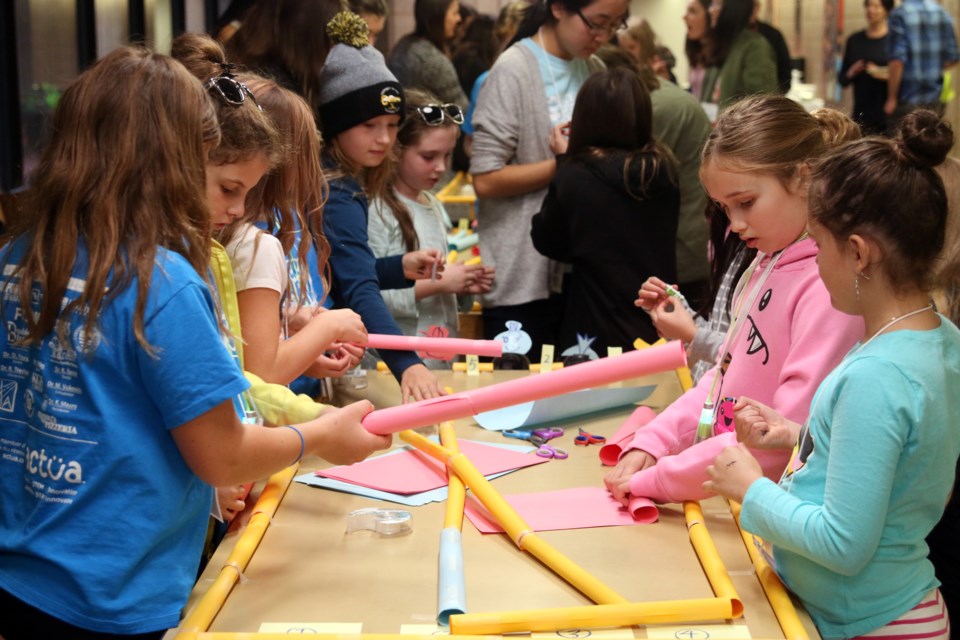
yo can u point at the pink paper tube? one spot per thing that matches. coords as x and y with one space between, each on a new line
436 346
634 364
610 452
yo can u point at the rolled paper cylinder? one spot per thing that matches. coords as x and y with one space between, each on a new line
610 452
474 260
596 616
713 566
643 509
666 357
452 589
437 346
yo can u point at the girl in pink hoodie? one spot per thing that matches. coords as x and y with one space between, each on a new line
784 335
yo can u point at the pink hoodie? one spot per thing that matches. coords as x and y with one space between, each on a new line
791 339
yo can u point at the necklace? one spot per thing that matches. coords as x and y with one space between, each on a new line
894 321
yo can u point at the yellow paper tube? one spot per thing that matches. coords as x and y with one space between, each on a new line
511 522
774 589
457 492
599 615
473 261
382 366
452 256
481 366
709 557
202 615
535 367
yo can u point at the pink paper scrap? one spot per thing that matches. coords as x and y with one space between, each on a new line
579 508
411 472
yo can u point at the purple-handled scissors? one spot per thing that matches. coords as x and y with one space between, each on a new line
546 451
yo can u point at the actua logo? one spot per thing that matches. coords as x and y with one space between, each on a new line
53 467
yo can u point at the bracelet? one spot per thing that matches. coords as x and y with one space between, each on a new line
302 443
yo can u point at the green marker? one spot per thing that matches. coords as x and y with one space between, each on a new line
673 293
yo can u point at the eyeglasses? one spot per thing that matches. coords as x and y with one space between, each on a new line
435 114
231 90
608 29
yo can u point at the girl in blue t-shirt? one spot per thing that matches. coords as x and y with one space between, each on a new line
115 386
874 464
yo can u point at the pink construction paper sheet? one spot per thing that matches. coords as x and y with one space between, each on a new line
412 472
579 508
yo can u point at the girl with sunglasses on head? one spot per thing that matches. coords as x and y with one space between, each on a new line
361 106
874 464
120 387
611 211
520 119
425 143
250 145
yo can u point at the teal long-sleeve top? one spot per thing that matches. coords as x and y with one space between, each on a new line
870 478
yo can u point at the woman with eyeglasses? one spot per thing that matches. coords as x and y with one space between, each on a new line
520 127
739 62
422 59
425 143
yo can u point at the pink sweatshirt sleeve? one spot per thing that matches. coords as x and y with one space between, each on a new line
680 477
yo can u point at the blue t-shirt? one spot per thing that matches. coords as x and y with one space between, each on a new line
101 520
869 480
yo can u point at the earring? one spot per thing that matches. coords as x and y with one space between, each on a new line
856 283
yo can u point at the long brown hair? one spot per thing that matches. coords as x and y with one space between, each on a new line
376 181
286 39
292 196
123 175
613 112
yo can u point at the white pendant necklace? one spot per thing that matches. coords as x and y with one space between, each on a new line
894 321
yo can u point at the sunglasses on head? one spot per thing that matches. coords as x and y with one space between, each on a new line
435 114
231 90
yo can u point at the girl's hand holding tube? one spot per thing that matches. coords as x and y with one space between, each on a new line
732 473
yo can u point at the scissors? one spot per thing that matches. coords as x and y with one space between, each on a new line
586 439
538 436
546 451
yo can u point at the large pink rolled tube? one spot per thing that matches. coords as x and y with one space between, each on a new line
658 359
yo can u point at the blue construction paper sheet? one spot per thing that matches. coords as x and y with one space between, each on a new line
568 406
411 500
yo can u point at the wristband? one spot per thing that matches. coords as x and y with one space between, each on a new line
302 443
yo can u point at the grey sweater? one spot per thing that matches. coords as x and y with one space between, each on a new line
418 64
512 126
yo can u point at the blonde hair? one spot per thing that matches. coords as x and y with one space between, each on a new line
773 135
122 175
642 33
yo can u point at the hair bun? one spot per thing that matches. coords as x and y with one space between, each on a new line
924 137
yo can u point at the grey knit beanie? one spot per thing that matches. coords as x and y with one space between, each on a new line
355 84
